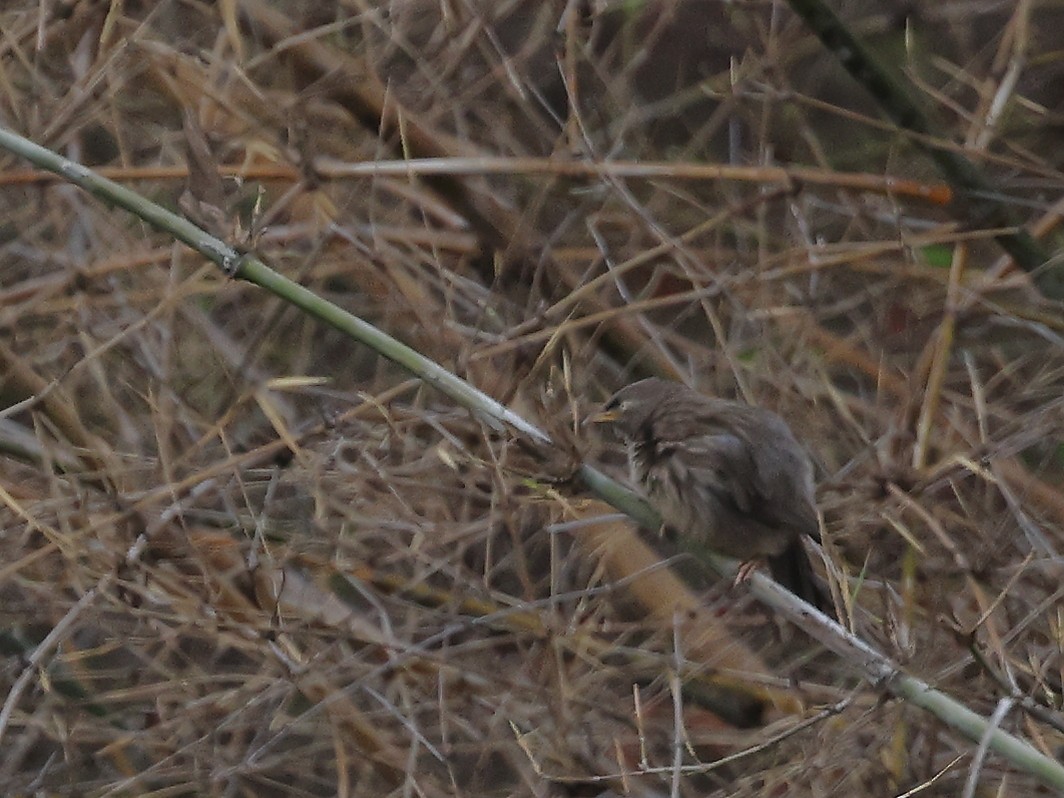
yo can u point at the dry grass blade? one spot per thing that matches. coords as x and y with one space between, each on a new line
241 556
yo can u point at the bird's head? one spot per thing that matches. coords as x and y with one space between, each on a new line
632 407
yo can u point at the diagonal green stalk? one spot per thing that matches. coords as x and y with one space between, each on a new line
881 672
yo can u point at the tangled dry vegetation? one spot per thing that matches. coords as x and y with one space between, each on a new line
240 555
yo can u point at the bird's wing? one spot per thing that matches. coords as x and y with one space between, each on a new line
721 463
761 485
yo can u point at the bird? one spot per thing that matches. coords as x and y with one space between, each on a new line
724 473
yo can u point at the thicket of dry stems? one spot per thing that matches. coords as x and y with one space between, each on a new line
352 587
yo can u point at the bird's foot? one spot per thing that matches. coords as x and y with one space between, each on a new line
746 570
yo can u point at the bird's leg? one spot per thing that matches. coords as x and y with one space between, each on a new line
746 570
669 533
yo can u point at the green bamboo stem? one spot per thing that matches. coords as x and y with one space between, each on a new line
876 668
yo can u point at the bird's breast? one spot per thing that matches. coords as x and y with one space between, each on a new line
693 508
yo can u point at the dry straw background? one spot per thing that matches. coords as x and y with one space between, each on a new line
346 584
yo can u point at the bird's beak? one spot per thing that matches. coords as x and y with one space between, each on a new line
603 417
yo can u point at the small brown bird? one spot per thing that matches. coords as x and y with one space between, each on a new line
726 473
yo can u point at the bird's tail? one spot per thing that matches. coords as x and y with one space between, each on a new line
793 570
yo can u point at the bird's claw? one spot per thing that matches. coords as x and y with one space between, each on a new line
746 570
